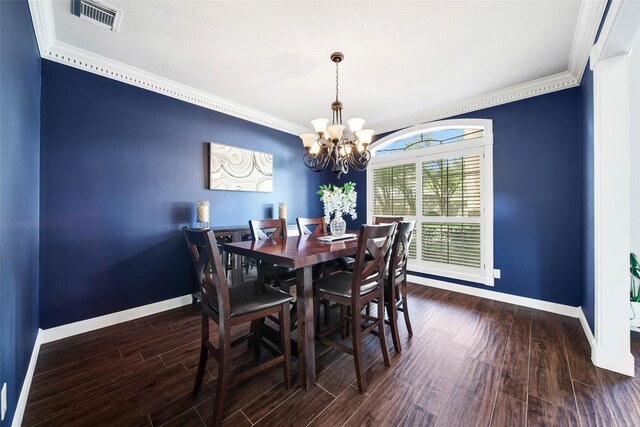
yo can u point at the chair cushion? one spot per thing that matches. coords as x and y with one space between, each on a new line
281 273
249 298
339 284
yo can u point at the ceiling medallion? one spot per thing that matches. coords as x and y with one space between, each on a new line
330 144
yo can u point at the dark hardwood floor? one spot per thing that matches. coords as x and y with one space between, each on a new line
471 361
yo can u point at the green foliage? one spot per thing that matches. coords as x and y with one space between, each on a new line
324 188
635 274
348 186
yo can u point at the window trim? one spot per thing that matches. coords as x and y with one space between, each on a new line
483 145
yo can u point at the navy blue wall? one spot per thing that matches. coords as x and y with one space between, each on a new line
19 187
121 168
587 201
360 179
537 188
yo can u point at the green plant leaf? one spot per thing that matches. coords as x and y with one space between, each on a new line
635 266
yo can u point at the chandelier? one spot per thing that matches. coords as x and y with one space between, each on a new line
331 145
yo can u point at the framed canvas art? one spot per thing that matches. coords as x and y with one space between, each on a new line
237 169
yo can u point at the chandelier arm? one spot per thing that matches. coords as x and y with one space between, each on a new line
316 163
360 162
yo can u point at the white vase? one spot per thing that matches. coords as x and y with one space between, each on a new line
338 226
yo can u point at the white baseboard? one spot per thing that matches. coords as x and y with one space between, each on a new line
26 385
64 331
621 362
587 331
71 329
552 307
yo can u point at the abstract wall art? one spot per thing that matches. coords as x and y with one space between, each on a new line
237 169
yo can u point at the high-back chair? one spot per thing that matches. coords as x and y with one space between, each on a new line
318 227
265 229
230 306
353 290
395 297
304 224
377 220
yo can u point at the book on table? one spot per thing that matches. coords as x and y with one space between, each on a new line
330 239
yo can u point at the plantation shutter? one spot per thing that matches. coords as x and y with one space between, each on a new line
450 190
394 190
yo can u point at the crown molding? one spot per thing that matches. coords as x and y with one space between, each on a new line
96 64
530 89
591 13
42 18
50 48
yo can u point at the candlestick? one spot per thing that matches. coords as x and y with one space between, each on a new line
203 214
282 210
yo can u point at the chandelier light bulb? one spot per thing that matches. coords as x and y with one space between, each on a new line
335 131
320 125
308 139
315 148
355 124
365 136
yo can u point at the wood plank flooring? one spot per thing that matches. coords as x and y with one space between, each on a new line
471 362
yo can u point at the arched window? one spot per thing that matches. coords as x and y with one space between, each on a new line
441 175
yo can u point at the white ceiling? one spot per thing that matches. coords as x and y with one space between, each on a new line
402 59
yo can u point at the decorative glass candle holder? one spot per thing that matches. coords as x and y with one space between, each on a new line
282 210
202 214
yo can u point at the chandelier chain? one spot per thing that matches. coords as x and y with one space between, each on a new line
337 81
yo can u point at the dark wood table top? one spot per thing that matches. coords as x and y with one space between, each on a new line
245 227
294 252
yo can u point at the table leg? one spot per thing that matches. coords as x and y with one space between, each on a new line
255 324
237 276
306 345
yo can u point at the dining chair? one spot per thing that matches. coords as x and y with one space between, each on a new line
377 220
230 306
395 295
265 229
318 227
354 290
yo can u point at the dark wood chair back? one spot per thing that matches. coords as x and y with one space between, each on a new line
209 271
395 298
400 249
304 223
370 271
387 219
260 228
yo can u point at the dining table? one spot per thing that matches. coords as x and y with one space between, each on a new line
300 253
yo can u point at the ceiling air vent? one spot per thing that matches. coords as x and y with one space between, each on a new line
99 13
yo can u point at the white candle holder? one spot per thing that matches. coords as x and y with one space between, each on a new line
202 214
